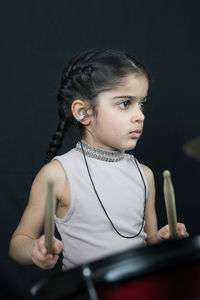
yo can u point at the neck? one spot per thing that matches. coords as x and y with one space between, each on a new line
90 140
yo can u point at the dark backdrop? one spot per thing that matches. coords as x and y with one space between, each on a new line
38 38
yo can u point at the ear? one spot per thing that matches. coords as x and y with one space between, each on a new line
80 107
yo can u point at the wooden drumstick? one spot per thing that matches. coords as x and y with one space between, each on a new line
49 225
170 204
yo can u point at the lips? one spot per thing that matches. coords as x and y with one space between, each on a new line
136 133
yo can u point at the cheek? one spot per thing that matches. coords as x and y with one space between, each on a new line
112 123
106 119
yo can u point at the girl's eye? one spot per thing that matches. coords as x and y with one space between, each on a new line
142 104
124 104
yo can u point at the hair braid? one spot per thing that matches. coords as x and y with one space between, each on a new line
65 116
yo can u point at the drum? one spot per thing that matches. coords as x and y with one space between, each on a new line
168 270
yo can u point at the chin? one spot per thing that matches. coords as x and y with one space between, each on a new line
132 146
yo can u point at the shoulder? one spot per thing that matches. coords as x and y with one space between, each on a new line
51 172
149 174
54 170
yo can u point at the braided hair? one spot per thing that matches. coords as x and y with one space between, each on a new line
85 76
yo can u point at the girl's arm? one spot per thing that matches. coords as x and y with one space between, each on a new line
153 234
26 245
151 227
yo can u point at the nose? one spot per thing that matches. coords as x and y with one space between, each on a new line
137 116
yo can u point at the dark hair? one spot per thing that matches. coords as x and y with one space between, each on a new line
85 76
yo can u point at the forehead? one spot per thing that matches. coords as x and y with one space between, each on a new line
134 85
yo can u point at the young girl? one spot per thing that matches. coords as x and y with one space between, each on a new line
105 198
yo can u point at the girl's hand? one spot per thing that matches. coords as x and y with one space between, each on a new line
164 233
39 254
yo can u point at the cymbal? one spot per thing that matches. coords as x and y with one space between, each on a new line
192 148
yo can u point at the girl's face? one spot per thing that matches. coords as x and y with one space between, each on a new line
119 120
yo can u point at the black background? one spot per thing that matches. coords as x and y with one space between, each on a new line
37 40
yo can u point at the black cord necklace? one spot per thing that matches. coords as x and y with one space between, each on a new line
124 236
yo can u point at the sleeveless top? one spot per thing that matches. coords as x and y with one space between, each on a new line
86 232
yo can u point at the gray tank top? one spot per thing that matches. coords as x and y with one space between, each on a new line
85 230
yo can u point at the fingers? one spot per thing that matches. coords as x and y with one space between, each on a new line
41 245
182 231
40 256
47 262
164 232
57 246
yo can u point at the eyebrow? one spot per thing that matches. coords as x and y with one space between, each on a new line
130 97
